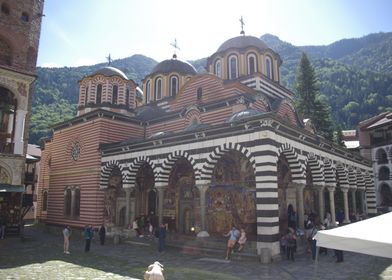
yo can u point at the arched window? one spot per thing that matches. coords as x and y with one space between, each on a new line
45 201
148 91
173 85
115 94
67 202
218 68
99 94
158 89
268 68
76 203
86 97
381 156
383 173
385 195
252 64
127 98
233 67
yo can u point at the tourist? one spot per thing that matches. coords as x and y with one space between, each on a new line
2 226
233 235
102 234
88 235
135 227
291 243
161 237
242 240
292 217
67 234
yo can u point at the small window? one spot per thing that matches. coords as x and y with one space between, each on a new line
199 93
158 89
45 201
127 98
233 67
218 68
5 9
269 68
173 86
115 94
67 202
252 64
76 212
86 96
99 94
148 91
24 17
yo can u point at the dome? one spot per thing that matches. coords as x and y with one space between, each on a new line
111 71
242 42
247 113
174 65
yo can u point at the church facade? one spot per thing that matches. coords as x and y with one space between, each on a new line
202 152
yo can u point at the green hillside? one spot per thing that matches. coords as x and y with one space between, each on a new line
355 76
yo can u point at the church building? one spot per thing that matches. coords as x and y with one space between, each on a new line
202 152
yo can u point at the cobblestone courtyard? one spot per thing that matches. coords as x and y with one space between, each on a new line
40 256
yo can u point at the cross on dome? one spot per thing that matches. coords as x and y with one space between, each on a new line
242 26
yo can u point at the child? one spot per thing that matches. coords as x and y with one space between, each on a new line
242 240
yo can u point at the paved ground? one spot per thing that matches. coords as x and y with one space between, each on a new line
40 256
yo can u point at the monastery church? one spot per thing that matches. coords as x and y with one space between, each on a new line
200 152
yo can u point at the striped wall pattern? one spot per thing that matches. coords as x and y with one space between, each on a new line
134 168
352 178
169 162
219 151
360 181
107 169
341 173
370 194
315 169
297 170
329 173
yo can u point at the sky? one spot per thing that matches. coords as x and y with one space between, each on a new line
85 32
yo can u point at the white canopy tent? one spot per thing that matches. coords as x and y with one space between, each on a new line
371 236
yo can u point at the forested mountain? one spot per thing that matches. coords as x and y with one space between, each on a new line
355 76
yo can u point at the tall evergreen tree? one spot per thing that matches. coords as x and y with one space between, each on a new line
308 99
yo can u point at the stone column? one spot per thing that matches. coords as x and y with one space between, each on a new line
321 202
354 200
19 131
345 200
331 191
161 192
127 205
203 189
300 204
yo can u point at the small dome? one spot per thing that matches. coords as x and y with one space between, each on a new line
174 65
242 42
111 71
247 113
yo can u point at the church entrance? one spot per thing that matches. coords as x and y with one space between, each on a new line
180 198
231 196
284 178
145 196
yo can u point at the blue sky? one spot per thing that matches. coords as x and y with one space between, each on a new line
84 32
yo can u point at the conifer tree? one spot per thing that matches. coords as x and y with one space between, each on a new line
308 100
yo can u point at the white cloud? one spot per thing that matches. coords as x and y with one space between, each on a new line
51 65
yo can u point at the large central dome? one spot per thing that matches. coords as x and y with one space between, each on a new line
242 42
174 65
109 71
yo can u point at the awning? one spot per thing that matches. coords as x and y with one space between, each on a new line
11 188
371 236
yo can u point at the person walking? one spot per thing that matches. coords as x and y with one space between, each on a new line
88 235
161 237
2 226
67 234
102 234
291 246
233 235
